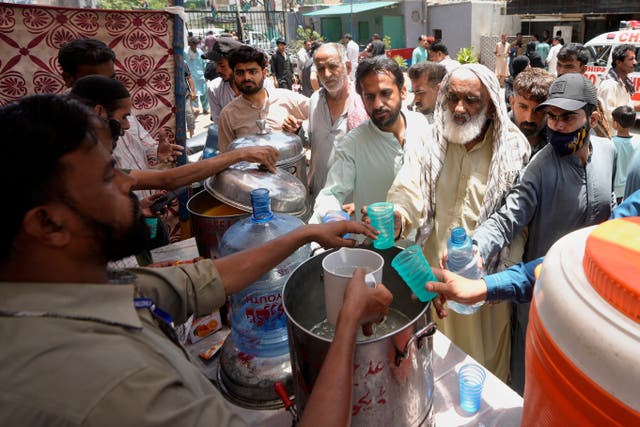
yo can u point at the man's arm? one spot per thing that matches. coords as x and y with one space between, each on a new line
243 268
513 284
406 192
277 66
330 400
630 206
170 179
519 207
340 183
606 96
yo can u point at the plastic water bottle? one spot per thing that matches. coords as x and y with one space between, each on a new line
258 321
462 261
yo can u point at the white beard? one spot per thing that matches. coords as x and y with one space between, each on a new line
464 133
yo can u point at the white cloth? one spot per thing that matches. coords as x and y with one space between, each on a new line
449 64
220 94
137 150
502 53
366 164
353 50
511 153
552 59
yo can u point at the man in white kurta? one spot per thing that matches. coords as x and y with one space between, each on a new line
502 53
475 154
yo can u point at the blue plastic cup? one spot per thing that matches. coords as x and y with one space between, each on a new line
471 379
414 269
381 216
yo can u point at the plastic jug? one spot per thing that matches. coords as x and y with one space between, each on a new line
258 322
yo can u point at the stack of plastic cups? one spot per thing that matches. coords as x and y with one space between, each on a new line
471 380
414 269
381 216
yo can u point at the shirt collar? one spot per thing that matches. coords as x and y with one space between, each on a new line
104 303
389 136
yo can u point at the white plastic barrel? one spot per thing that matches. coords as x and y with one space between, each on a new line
583 339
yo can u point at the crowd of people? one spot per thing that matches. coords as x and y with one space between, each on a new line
518 171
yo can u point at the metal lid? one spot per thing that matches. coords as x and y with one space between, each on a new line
234 185
289 145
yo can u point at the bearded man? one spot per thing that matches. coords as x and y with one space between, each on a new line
283 109
367 160
530 89
334 110
476 155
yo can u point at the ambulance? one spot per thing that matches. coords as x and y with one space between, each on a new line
600 49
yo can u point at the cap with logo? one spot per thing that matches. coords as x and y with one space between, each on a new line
571 92
281 41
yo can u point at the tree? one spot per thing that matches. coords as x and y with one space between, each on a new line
132 4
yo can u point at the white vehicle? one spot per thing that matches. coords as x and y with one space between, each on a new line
601 48
258 39
202 32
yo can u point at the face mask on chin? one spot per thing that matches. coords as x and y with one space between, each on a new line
567 143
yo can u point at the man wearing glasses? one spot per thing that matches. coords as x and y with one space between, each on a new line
568 185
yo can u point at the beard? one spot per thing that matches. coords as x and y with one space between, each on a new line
333 86
466 132
113 243
529 128
251 88
384 122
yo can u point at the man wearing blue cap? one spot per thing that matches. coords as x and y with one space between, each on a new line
568 185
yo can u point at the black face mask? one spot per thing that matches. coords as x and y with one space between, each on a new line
567 143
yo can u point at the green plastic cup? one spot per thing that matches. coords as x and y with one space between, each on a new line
414 269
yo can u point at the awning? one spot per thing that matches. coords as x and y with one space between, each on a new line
347 8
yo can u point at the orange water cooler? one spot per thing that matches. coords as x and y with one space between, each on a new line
583 339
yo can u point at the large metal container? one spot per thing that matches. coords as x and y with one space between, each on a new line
210 219
393 374
233 186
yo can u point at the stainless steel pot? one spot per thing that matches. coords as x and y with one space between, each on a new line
393 374
289 146
210 219
233 186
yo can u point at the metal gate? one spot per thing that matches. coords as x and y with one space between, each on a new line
256 28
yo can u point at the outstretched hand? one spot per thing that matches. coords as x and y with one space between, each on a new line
330 235
454 287
291 124
167 151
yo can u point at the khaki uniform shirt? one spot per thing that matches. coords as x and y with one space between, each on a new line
81 354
